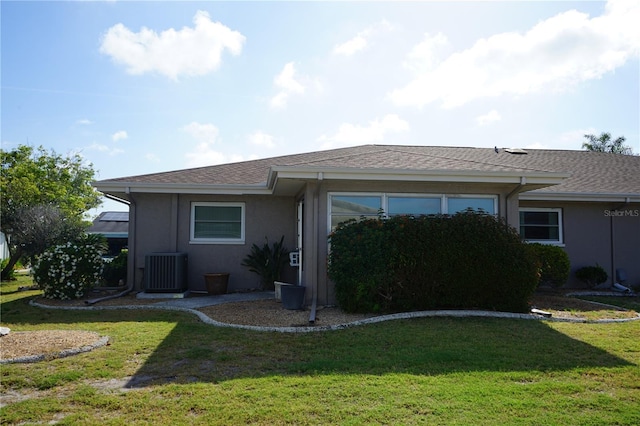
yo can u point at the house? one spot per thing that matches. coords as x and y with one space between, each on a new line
114 226
586 202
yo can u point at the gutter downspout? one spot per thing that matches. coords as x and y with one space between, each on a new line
131 259
516 190
613 245
128 290
314 263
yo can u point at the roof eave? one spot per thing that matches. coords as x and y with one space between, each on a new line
581 196
121 187
415 175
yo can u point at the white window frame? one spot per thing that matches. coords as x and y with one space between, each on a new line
560 241
385 197
194 240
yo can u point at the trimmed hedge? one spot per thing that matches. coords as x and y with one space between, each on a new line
592 275
554 264
404 263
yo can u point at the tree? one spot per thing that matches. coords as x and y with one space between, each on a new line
43 196
603 143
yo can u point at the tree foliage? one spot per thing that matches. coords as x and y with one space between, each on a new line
44 196
603 143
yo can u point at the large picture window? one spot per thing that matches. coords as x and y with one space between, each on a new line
343 207
541 225
416 206
217 223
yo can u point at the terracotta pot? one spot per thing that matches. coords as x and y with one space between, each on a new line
216 282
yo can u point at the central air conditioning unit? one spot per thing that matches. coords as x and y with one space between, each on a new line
165 272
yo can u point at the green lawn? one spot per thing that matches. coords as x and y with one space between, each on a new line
478 371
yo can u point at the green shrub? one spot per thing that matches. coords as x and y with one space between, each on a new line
116 268
592 275
67 271
468 260
359 265
267 261
554 264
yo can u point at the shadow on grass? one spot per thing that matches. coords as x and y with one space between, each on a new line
195 352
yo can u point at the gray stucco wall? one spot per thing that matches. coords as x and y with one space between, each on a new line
588 237
163 225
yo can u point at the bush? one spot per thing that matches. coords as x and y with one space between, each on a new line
267 261
468 260
67 271
116 268
554 264
592 275
359 265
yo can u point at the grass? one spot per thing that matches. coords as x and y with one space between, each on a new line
479 371
631 303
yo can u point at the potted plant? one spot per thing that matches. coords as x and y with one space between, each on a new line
267 261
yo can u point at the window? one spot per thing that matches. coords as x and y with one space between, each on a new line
459 204
414 206
541 225
343 207
217 223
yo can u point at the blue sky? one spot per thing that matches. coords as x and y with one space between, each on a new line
143 87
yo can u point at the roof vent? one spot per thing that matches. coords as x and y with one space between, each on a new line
518 151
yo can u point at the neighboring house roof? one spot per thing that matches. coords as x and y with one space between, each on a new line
554 172
111 224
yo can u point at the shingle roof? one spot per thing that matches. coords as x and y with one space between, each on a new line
590 172
110 223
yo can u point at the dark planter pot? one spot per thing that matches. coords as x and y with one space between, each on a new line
293 296
216 282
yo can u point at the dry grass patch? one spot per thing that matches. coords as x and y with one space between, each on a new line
44 342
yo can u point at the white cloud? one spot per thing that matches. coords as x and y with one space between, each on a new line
204 133
261 139
554 55
204 153
120 135
350 134
105 149
488 118
352 46
288 84
189 51
361 40
84 122
426 55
